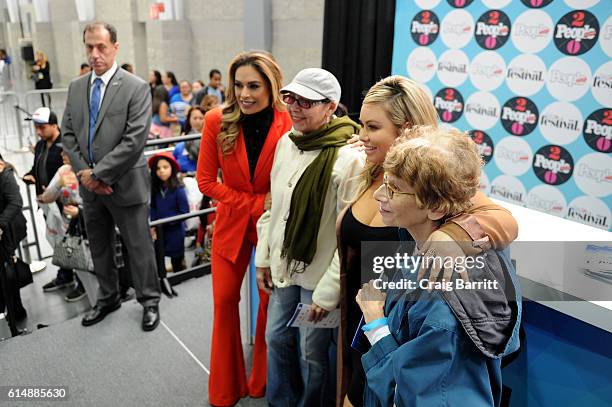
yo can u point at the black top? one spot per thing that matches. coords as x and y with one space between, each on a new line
255 128
53 161
41 168
359 267
43 78
359 270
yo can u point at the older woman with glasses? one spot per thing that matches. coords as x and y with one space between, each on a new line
437 343
390 106
312 180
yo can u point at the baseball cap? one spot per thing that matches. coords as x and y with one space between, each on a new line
44 115
315 84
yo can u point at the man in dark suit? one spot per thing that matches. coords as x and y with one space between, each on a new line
104 130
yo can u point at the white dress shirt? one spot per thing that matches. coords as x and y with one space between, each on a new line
106 77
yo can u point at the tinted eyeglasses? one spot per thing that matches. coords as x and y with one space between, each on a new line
290 99
390 191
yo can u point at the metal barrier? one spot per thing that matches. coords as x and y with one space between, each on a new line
166 141
170 140
58 100
191 272
149 153
11 124
26 245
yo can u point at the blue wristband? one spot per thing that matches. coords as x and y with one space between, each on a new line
374 324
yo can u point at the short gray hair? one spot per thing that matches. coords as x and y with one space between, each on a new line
99 24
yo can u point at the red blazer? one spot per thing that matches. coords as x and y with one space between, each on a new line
240 201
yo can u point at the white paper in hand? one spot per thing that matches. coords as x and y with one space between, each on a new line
300 318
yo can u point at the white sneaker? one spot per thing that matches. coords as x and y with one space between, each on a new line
37 266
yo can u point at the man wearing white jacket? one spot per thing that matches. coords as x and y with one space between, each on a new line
313 178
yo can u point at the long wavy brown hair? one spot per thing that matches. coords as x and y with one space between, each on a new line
267 67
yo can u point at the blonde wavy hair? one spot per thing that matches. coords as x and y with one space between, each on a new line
266 65
441 164
406 104
40 55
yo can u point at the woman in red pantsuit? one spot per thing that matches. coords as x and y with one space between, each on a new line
240 139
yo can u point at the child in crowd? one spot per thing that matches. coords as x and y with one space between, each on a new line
168 198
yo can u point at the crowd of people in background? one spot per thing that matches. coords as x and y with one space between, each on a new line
298 181
172 101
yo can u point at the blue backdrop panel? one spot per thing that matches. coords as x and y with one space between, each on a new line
531 81
563 362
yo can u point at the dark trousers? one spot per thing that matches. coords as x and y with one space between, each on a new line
178 263
11 291
125 278
101 216
42 99
64 275
10 299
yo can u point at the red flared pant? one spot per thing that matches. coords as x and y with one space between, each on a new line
228 382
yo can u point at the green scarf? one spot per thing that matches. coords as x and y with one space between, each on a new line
307 200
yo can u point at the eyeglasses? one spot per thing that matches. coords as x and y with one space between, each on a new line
390 191
290 99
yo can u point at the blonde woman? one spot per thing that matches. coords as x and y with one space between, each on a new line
239 138
41 75
391 105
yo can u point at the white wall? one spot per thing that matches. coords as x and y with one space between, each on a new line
211 34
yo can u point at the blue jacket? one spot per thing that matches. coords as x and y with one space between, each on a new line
173 203
445 347
182 157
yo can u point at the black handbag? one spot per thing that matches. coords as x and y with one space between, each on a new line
22 271
16 269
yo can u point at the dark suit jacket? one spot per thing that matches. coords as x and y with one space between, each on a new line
54 161
121 132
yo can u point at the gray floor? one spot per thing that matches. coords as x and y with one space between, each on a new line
115 363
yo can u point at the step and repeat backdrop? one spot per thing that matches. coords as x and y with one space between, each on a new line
531 81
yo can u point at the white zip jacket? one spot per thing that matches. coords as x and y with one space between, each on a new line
323 274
